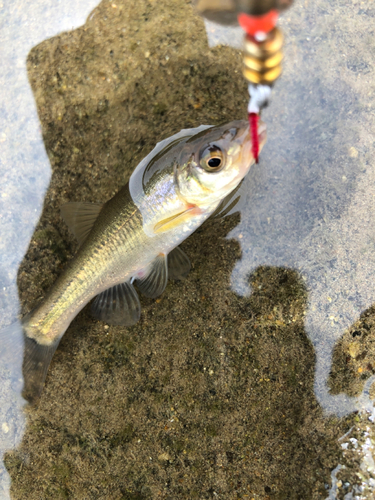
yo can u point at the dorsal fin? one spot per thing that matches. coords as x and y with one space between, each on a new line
80 217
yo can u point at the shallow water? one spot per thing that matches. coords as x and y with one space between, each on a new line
218 392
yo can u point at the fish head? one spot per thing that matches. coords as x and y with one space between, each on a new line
213 162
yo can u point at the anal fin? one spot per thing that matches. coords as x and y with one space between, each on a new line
155 281
118 305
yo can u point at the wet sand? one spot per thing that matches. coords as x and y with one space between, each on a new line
211 394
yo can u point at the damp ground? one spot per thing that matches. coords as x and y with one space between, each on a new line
211 394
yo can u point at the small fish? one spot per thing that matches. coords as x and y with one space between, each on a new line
131 242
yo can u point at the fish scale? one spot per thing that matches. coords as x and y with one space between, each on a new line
81 280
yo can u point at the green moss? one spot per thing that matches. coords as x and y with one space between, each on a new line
12 462
212 430
134 496
126 435
62 470
50 238
160 109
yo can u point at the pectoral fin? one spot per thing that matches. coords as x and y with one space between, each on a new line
118 305
232 203
155 281
176 220
80 217
178 264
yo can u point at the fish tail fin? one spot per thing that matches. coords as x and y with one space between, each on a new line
36 361
23 359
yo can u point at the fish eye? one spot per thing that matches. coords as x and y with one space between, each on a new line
212 159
